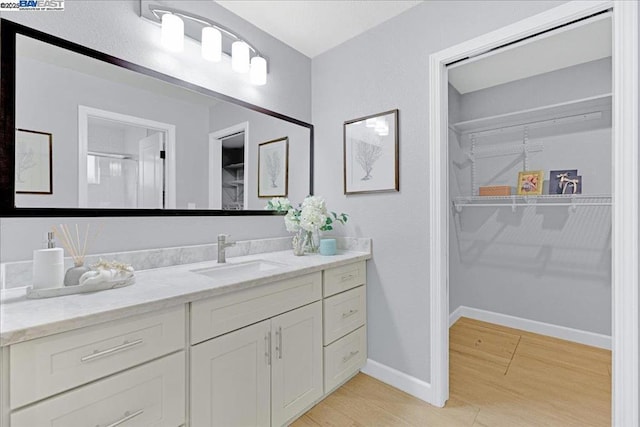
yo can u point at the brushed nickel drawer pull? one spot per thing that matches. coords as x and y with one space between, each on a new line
349 313
97 354
127 416
279 333
267 349
350 356
347 277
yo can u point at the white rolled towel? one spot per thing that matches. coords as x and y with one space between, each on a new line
103 275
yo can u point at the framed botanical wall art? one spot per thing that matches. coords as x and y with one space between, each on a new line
273 168
530 183
371 153
34 169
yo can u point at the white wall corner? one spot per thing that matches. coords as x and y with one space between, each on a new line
405 382
533 326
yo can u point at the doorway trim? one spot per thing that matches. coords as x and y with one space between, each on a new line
85 112
624 200
215 155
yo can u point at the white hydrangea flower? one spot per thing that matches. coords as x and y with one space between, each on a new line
280 204
291 221
313 213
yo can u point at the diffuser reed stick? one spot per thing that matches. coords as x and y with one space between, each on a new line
75 246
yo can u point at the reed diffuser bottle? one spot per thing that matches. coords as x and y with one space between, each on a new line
77 248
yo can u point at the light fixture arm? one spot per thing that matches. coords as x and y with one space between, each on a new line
158 11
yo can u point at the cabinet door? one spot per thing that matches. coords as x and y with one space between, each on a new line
230 379
296 373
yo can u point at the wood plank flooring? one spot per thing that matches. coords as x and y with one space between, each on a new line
498 377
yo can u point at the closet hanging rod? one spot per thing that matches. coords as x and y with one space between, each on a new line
595 115
582 106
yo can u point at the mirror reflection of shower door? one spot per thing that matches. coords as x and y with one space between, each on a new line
125 161
151 172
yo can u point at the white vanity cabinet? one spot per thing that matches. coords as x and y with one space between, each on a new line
259 355
264 374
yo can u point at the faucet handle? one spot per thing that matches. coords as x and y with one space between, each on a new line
222 239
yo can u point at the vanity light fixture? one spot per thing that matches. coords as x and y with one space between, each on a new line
244 57
172 32
240 57
258 71
211 44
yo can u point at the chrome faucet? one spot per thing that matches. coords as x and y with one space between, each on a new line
222 245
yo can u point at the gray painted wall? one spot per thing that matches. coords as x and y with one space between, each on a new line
545 264
385 68
115 27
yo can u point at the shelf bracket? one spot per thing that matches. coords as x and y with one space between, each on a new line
573 206
472 157
525 148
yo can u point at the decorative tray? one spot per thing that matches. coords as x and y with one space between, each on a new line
79 289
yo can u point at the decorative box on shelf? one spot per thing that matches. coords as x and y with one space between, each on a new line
495 190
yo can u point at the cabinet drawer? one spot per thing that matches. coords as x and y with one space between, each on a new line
49 365
340 279
344 358
149 395
225 313
344 313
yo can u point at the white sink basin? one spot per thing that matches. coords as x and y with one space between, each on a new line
237 269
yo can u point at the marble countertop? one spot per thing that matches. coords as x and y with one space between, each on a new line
23 319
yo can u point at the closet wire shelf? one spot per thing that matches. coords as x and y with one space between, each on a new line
514 201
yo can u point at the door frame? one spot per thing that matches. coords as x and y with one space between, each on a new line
624 200
85 113
215 156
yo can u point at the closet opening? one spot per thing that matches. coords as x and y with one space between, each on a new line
530 227
228 155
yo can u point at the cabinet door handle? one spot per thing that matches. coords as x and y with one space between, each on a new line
127 416
349 313
279 344
97 354
267 348
350 356
346 277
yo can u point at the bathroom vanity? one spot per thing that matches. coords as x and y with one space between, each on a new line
257 341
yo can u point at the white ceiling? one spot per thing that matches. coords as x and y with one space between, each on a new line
577 44
315 26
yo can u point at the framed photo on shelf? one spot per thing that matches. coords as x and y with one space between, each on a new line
530 183
273 168
371 153
34 162
565 182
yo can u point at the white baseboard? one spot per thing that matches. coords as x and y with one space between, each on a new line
400 380
562 332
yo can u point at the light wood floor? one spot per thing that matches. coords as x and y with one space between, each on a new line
498 377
